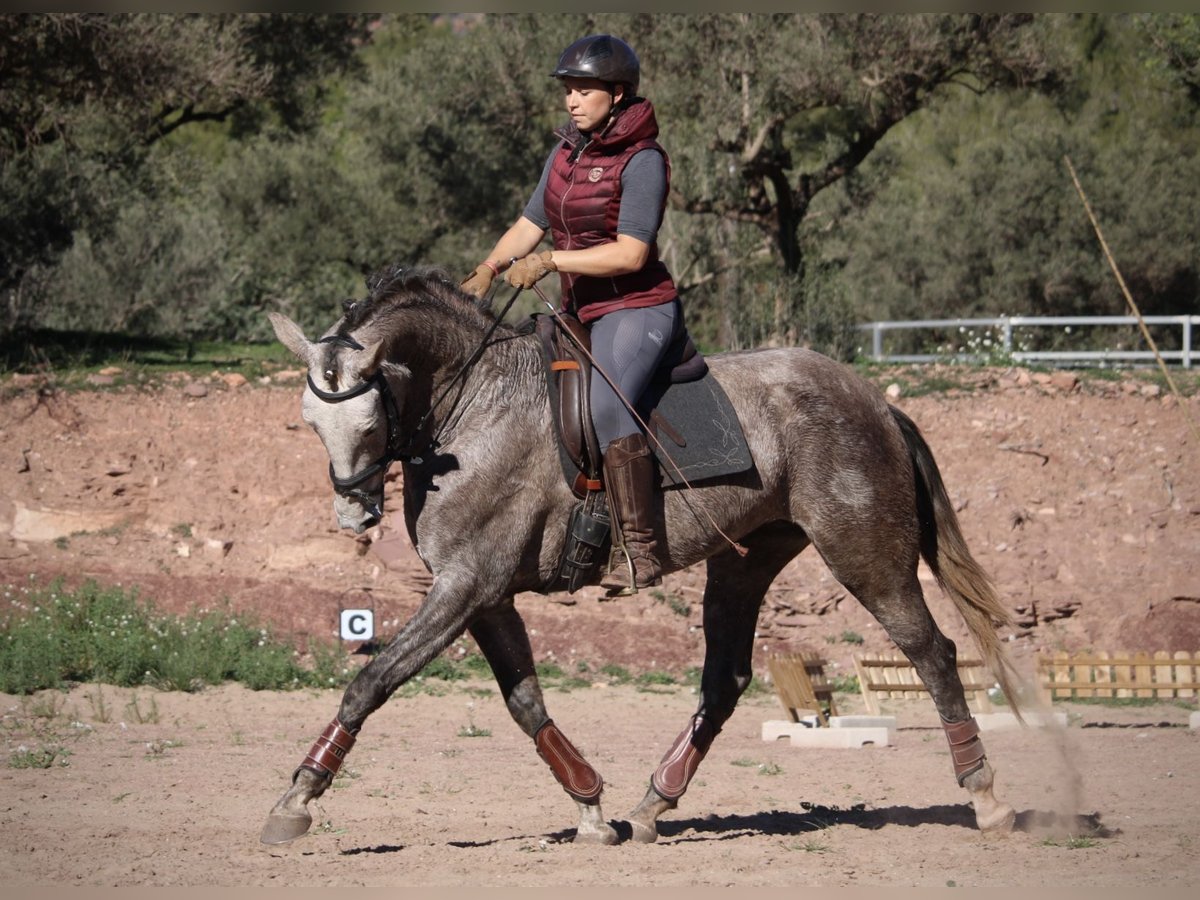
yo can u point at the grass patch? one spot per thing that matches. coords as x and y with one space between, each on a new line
39 758
65 359
675 603
844 684
474 731
51 637
615 674
809 846
1072 842
656 678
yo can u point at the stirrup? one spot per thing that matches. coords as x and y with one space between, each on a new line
632 587
625 590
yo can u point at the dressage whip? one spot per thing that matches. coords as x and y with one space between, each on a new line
738 548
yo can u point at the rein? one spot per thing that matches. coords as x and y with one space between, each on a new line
394 449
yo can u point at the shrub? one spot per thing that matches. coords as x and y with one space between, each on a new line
51 636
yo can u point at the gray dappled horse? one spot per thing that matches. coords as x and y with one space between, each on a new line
422 373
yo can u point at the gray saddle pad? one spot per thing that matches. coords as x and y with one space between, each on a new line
701 414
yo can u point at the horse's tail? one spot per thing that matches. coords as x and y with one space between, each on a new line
960 576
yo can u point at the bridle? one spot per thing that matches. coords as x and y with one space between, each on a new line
393 450
396 448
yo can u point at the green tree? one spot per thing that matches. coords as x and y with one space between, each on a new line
972 212
1174 50
774 110
88 100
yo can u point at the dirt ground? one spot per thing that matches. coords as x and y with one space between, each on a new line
1082 499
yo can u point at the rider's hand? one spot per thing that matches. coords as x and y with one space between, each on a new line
525 273
479 282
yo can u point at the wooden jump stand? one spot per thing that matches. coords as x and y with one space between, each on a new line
1161 675
892 676
800 682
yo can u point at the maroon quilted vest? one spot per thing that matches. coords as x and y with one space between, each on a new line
583 202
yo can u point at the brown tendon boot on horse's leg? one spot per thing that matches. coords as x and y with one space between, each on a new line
579 780
671 779
290 818
629 481
973 772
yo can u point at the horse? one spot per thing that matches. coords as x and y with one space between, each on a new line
421 373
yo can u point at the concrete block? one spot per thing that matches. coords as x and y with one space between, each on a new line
888 722
839 738
775 729
1194 721
1002 720
803 734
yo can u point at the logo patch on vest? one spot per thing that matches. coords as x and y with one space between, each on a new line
596 173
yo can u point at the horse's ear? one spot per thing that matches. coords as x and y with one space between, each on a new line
292 337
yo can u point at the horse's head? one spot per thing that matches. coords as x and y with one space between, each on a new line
352 401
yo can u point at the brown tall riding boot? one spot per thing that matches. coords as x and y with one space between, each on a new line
629 481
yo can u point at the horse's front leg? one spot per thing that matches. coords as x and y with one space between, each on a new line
451 603
502 637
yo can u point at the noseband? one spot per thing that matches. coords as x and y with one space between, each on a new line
348 486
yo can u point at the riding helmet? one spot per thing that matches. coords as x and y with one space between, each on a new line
600 56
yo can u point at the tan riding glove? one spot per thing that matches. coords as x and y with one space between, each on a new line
479 282
526 272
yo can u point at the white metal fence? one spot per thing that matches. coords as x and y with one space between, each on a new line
999 340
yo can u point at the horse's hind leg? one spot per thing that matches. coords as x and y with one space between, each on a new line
502 637
732 597
895 598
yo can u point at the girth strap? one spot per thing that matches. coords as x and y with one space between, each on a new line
966 749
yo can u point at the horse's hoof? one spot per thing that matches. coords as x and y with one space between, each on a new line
604 836
643 834
1000 821
280 829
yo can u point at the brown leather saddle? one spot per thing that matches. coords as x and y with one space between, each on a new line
569 374
696 434
564 340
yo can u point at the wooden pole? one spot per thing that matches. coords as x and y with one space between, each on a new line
1129 299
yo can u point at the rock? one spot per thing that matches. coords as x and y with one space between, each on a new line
21 380
289 374
396 551
112 370
217 547
894 391
100 380
184 550
1064 381
195 389
36 525
315 551
233 380
1150 390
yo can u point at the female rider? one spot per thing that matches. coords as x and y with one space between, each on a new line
602 195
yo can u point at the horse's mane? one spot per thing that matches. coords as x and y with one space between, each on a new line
424 288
